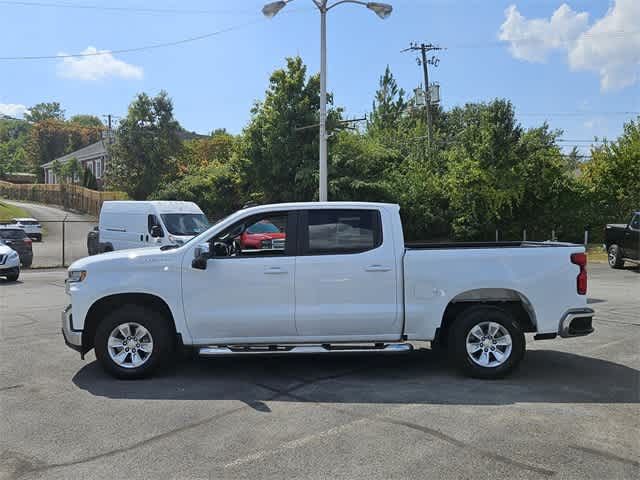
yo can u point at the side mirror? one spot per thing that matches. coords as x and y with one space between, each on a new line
156 231
200 256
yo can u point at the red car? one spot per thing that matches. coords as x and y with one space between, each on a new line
262 235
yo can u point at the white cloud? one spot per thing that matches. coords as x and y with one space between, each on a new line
96 67
12 109
532 40
609 47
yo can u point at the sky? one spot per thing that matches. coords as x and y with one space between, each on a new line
574 64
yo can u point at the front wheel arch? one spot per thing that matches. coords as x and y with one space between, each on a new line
102 307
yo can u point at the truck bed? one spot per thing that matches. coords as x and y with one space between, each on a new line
476 245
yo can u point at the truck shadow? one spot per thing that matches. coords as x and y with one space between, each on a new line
421 377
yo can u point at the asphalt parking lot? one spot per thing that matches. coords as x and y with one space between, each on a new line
571 411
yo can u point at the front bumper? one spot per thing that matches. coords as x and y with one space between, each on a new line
576 323
73 338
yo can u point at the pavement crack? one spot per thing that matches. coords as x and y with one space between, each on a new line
11 387
607 455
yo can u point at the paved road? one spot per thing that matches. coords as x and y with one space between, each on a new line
571 411
49 252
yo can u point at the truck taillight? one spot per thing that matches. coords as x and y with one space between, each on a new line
28 241
580 259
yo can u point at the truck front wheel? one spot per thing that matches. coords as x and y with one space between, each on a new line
486 342
132 342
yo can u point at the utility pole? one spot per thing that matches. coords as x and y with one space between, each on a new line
424 49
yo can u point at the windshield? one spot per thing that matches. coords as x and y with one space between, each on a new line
185 223
263 227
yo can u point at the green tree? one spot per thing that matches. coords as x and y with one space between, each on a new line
71 169
388 106
147 144
50 139
87 121
44 111
612 177
282 162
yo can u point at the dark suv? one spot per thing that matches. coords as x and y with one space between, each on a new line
20 242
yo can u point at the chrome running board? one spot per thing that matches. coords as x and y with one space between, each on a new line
302 349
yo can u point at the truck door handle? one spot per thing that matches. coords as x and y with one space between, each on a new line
274 271
377 268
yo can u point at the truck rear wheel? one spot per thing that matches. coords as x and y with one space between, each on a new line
132 342
486 342
614 256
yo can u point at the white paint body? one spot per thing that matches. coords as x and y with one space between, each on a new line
379 295
9 258
123 225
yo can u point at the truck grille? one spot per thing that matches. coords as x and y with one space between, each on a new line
278 244
3 258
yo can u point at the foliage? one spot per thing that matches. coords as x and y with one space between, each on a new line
14 134
8 211
44 111
86 121
612 177
146 146
89 179
71 170
282 161
50 139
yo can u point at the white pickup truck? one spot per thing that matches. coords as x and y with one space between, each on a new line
339 279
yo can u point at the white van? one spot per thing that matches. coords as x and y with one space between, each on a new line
137 224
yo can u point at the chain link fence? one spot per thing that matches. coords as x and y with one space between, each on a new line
63 242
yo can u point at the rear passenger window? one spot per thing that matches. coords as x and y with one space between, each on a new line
341 231
635 222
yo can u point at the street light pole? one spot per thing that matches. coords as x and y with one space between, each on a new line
270 10
323 187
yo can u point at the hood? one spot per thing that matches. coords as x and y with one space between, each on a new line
123 257
4 250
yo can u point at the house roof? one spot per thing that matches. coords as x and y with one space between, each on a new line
95 150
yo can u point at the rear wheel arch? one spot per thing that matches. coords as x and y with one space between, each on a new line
102 307
510 300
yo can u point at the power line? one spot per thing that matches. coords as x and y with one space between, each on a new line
574 114
172 11
135 49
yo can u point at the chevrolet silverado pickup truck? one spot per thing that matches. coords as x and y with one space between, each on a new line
622 242
341 281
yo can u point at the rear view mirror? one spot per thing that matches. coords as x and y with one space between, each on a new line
156 231
200 256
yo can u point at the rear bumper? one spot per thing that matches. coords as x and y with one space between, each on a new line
576 323
73 338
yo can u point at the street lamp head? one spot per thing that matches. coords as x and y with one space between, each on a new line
383 10
271 9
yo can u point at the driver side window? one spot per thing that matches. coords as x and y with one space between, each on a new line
263 235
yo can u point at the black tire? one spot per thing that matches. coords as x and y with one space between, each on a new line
13 276
472 317
157 325
614 257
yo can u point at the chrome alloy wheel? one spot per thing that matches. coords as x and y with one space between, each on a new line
612 257
489 344
130 345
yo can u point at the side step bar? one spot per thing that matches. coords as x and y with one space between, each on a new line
303 349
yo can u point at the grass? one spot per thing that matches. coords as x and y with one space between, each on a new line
596 253
7 212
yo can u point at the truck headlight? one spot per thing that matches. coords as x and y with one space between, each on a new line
76 276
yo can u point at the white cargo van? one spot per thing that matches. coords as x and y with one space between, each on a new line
137 224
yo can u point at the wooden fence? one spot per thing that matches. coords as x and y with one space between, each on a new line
70 197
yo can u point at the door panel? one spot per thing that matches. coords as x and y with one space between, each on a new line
345 296
244 295
631 243
240 298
